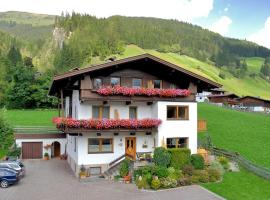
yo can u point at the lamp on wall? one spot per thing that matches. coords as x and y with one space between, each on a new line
98 134
148 133
132 133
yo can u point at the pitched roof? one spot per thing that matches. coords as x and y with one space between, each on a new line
223 95
252 97
130 59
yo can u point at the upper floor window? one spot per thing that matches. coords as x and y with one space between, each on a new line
132 112
136 83
157 84
97 83
115 81
178 112
101 112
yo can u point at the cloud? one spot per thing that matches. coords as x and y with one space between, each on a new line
262 37
185 10
222 25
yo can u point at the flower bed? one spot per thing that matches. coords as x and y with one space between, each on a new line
125 91
106 123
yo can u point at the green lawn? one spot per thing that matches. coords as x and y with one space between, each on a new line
241 185
31 117
246 133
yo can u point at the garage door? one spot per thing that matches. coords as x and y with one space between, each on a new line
32 150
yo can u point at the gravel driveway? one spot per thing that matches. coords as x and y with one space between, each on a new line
53 180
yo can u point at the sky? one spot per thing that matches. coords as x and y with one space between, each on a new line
243 19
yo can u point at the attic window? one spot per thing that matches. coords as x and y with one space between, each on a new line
115 81
97 83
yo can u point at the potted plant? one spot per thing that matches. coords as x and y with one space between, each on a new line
82 173
46 156
127 179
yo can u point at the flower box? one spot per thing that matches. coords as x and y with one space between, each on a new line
63 123
151 92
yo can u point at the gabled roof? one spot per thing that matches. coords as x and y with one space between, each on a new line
252 97
126 60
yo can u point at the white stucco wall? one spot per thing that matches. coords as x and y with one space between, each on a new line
71 147
118 146
45 142
178 128
67 102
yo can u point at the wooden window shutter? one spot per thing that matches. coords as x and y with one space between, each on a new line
150 84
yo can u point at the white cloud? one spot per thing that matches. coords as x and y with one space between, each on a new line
185 10
222 25
226 9
262 37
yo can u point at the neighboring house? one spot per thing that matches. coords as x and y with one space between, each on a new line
203 96
254 104
223 99
127 107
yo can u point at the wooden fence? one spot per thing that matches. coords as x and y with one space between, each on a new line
252 167
202 125
35 129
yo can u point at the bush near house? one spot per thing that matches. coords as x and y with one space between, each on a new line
179 157
197 161
162 157
124 168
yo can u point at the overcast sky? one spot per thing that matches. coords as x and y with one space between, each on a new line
245 19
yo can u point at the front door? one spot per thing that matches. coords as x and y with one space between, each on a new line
131 147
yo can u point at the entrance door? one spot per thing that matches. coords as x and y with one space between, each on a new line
56 149
131 147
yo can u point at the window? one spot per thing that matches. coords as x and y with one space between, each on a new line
115 81
177 112
100 145
157 84
177 142
97 83
136 83
172 86
95 170
132 112
101 112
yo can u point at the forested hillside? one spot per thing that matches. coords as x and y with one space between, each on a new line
35 47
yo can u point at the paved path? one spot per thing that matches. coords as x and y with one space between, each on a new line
53 180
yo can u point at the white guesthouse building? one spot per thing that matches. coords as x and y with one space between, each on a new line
127 107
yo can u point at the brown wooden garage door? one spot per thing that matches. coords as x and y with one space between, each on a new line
31 150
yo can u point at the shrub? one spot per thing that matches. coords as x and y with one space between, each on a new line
162 157
155 184
188 170
160 172
195 179
216 165
214 175
174 174
124 168
184 181
148 177
168 182
203 175
224 162
142 183
137 173
197 161
179 157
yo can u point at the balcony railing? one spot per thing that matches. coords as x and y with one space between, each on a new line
101 124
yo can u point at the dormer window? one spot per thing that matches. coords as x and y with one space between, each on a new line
97 83
115 81
136 83
157 84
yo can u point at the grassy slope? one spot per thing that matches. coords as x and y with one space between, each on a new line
246 86
31 117
241 186
246 133
27 18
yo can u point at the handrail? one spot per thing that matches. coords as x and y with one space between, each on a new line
120 158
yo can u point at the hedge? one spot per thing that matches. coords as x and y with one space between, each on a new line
197 161
179 157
